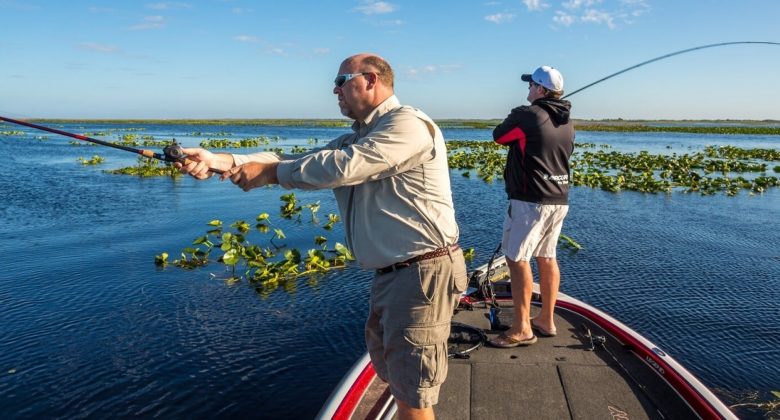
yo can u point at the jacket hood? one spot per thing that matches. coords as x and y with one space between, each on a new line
558 109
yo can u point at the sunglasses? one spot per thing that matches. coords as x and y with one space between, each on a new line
346 77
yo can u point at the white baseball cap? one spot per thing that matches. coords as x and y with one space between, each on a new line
546 76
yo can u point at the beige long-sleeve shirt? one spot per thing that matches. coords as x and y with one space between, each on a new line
391 182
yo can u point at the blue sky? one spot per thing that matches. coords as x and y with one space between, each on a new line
453 59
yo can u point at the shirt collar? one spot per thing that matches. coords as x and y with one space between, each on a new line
386 106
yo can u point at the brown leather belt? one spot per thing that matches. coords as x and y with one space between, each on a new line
427 256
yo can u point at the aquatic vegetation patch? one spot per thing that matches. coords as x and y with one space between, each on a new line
265 267
147 167
235 144
95 160
644 128
739 169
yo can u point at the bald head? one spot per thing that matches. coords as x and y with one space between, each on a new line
367 62
369 84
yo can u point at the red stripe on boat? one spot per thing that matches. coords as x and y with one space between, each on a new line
355 393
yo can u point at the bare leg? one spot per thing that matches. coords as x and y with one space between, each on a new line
549 282
522 288
407 412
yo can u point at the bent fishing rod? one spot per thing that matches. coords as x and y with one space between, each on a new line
667 56
171 153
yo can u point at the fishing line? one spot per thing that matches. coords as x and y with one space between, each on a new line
667 56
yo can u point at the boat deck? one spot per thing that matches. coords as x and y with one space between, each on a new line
557 378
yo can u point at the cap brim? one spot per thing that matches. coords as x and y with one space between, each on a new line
526 78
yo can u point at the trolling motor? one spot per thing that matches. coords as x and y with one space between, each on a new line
171 153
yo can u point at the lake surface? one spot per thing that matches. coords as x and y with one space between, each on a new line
90 327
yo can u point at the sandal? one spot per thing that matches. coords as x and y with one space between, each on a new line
504 341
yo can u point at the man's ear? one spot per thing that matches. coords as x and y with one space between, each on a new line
371 78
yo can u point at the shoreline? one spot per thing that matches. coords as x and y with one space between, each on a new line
720 126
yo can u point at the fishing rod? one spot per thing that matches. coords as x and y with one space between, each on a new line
171 153
667 56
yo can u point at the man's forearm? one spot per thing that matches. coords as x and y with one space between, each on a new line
223 161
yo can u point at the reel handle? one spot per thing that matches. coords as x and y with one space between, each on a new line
174 153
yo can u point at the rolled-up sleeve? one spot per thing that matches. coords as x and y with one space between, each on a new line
400 141
261 157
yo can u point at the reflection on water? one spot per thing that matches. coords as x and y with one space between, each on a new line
88 324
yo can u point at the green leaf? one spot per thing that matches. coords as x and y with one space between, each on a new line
215 222
161 259
200 240
279 233
262 216
293 255
776 394
320 240
342 250
567 241
230 257
241 226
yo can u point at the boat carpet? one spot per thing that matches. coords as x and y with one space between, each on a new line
557 378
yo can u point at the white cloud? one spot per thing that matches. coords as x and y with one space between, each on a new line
564 19
394 22
376 8
429 70
168 6
276 51
598 17
535 5
246 38
240 10
149 22
322 51
101 48
499 18
611 13
576 4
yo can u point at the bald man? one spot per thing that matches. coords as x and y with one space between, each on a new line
392 185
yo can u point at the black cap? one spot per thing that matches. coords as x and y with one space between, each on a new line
526 78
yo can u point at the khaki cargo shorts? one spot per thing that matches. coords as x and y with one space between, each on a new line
532 229
408 325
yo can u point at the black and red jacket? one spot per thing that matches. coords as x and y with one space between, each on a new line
541 140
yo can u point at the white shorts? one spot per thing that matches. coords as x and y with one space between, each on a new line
532 230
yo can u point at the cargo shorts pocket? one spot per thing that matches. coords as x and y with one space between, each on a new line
429 274
426 363
459 274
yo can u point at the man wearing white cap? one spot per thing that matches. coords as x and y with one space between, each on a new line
541 140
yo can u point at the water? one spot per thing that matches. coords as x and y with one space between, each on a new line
89 327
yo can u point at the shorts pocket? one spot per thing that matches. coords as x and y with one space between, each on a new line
428 275
427 359
460 275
